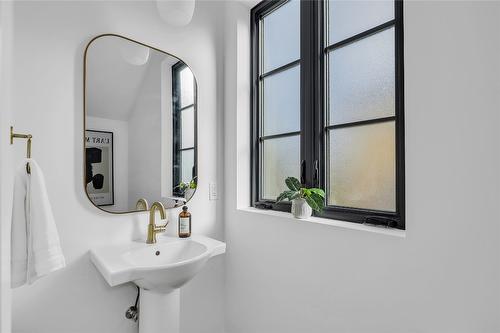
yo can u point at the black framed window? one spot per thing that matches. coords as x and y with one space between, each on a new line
327 105
184 121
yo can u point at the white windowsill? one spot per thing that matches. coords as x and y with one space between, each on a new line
330 222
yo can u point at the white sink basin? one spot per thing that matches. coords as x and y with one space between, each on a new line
161 267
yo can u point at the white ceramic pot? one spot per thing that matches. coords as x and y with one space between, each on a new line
188 193
301 209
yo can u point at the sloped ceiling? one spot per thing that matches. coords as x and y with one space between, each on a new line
115 72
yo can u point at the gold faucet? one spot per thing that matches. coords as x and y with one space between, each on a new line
153 229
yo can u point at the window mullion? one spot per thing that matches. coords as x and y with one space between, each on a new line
319 70
307 89
400 135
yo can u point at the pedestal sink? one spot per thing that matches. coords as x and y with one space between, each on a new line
159 270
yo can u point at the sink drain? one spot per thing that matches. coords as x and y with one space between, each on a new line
157 253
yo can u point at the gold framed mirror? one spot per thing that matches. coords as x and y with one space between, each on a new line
140 126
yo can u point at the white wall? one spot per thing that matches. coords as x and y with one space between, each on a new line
47 83
5 164
285 275
120 158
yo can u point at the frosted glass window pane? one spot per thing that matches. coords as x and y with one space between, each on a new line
281 36
187 87
361 79
280 160
362 167
187 165
348 18
187 130
281 102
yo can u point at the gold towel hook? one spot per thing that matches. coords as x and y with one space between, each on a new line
28 144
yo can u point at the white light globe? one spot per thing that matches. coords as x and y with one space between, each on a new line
176 12
134 54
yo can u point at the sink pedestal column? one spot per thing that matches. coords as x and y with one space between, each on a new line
159 313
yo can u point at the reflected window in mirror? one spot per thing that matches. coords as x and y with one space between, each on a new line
184 115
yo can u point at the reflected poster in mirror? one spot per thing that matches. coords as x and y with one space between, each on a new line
99 167
140 140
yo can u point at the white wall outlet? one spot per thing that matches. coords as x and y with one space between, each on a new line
212 192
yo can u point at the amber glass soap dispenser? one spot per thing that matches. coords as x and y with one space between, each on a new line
184 228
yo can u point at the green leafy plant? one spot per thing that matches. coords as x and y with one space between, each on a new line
184 186
315 197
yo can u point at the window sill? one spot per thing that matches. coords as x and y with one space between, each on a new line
334 223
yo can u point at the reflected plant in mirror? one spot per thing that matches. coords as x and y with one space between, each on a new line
140 122
187 189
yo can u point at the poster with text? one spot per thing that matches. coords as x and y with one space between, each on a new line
99 167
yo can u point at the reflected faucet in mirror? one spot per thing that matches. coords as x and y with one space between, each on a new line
141 205
153 229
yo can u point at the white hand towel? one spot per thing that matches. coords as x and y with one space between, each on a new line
35 248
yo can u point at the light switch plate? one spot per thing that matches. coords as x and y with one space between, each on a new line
212 191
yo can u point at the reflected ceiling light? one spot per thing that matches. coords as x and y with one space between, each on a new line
176 12
135 54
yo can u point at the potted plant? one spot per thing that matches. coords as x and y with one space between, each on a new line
304 200
188 188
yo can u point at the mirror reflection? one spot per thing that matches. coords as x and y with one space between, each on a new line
140 126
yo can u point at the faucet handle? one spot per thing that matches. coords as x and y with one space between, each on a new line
161 228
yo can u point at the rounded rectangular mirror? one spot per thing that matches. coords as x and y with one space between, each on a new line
140 140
